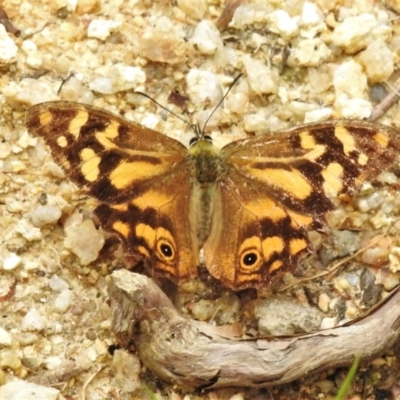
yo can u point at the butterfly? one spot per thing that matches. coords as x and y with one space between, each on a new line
249 205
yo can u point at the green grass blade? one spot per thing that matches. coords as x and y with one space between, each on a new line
349 378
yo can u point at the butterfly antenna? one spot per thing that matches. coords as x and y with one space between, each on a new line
198 131
196 128
219 103
191 126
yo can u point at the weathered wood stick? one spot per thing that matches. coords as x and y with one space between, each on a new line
195 354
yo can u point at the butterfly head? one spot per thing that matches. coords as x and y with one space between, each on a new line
200 138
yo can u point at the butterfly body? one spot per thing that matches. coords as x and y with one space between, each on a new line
207 161
249 205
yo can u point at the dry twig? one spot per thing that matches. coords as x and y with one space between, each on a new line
196 354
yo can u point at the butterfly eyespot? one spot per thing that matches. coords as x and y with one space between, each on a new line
165 250
250 259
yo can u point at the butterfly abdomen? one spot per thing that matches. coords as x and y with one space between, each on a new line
206 161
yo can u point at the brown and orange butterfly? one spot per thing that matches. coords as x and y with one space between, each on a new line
248 205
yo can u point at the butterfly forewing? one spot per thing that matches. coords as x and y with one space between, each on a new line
136 174
110 156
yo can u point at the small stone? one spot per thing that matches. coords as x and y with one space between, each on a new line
311 21
84 241
11 262
257 40
165 47
377 60
17 165
203 310
343 283
28 231
387 177
57 284
340 244
33 321
91 334
13 205
33 59
351 89
69 5
250 14
74 90
203 86
101 347
354 108
8 49
256 122
328 323
317 115
25 339
87 6
259 76
25 140
32 362
76 218
55 170
150 120
394 259
351 310
237 396
309 53
228 307
126 369
103 85
281 23
354 33
16 149
5 337
236 102
299 108
376 256
390 280
5 150
284 316
32 264
350 80
206 37
45 215
320 78
101 28
18 389
380 219
368 203
325 386
323 302
9 359
126 77
63 301
51 363
193 8
28 92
